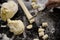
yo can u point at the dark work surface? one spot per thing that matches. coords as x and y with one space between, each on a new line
33 33
1 1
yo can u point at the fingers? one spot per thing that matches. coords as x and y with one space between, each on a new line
52 3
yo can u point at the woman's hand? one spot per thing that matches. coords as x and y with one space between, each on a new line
53 3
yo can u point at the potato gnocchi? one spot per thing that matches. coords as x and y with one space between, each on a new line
41 34
44 24
29 27
45 37
40 30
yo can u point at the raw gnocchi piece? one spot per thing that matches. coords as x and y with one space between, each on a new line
40 30
16 26
44 24
41 34
8 10
34 5
36 39
34 0
45 37
29 26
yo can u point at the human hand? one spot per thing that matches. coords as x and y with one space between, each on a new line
53 3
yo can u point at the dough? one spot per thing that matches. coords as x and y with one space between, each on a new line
8 10
34 0
44 24
16 26
40 30
41 34
29 26
34 5
36 39
45 37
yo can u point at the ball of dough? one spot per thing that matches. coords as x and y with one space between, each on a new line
16 26
8 10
